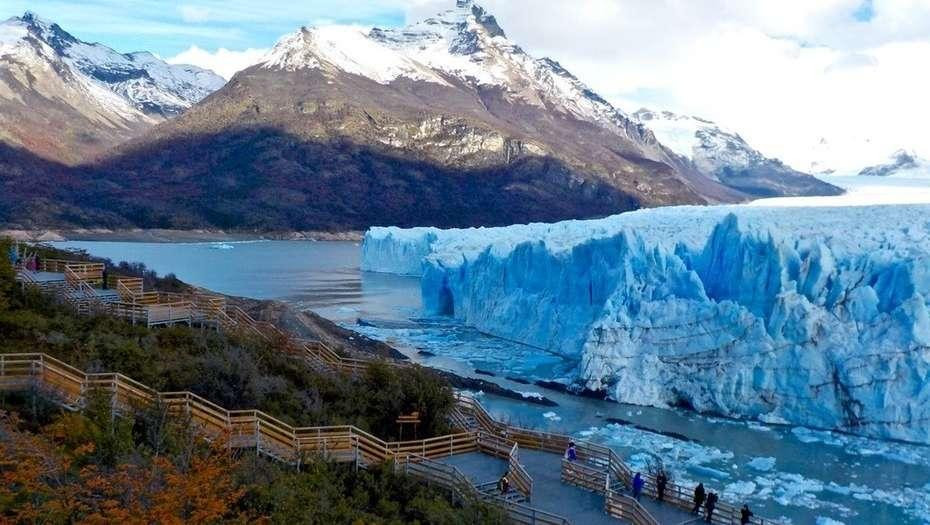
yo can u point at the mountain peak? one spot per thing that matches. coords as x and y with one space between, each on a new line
135 81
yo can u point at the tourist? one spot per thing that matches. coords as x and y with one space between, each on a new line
661 483
710 505
14 254
503 485
698 498
570 453
638 483
104 276
744 515
37 262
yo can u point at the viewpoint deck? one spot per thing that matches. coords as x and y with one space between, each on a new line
551 494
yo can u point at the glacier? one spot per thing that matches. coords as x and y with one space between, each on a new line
809 316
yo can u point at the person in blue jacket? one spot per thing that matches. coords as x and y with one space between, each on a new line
570 453
638 483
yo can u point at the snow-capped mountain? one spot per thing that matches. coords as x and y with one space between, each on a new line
902 164
68 100
147 82
464 45
726 157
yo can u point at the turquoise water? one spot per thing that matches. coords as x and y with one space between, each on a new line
794 472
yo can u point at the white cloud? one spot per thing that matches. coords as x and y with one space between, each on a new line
194 13
224 62
784 73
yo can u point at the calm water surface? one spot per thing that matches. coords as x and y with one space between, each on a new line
797 473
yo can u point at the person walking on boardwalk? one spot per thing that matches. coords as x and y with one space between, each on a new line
638 483
14 254
570 453
698 498
744 515
503 485
710 505
661 483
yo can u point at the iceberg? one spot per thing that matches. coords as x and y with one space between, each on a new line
811 316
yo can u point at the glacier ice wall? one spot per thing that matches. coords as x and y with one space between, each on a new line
396 250
810 316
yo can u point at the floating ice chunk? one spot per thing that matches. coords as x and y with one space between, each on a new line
708 472
552 416
531 395
739 489
762 464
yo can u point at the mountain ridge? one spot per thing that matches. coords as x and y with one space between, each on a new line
725 156
337 119
69 101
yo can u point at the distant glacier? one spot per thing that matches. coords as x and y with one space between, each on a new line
811 316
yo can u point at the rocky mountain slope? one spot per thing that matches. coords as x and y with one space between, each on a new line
726 157
68 100
901 164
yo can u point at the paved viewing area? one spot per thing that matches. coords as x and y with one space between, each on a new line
551 494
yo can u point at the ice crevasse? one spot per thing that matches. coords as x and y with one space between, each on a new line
810 316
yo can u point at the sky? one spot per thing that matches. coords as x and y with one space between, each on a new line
816 83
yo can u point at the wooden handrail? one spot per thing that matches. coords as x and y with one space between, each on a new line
600 454
73 385
519 477
451 478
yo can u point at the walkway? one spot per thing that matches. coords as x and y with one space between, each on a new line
550 494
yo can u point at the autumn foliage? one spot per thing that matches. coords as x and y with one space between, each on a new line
45 480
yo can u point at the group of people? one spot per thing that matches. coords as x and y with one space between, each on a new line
29 261
709 501
702 498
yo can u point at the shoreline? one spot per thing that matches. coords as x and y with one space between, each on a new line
174 236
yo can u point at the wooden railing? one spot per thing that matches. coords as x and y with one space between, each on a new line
462 489
155 308
247 428
254 429
624 507
596 454
128 288
56 265
579 474
519 478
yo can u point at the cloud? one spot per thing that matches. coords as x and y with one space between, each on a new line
194 14
224 62
783 73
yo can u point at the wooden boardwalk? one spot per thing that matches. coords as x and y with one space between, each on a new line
545 488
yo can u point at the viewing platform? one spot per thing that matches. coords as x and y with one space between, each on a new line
88 288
